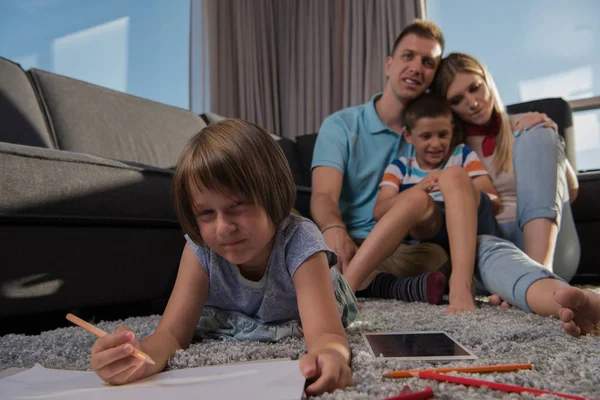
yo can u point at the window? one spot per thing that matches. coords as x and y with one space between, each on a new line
136 46
534 49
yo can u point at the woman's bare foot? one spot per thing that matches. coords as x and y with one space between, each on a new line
496 300
580 310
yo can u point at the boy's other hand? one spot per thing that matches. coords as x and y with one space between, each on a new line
112 360
325 372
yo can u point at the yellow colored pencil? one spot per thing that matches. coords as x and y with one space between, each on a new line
99 332
476 369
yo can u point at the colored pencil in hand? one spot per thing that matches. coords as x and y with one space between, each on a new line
99 332
476 369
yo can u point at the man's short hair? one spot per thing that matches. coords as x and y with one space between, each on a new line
421 28
426 106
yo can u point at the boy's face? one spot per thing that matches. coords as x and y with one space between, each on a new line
432 138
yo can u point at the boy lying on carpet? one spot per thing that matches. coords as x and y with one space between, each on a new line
250 269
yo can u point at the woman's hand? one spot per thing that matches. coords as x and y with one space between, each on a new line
112 360
526 121
325 372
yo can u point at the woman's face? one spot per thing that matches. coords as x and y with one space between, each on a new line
470 98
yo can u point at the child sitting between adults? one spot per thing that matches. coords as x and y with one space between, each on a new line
435 195
249 270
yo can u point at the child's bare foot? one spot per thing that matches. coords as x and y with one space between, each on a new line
496 300
461 302
580 310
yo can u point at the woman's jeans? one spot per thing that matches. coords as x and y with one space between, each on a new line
539 163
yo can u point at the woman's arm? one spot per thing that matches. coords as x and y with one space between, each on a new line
484 183
328 358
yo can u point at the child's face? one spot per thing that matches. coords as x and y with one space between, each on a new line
234 228
432 138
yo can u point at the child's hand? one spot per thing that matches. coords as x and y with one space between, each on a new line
112 359
429 182
325 372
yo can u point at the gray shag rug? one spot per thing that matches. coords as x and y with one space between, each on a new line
496 335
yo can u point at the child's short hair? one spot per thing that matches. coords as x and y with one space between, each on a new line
237 156
426 106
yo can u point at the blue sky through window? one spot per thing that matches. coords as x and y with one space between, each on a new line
534 49
136 46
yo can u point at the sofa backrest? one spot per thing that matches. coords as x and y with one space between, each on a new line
22 119
559 111
90 119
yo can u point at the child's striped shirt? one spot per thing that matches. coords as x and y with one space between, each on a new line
405 172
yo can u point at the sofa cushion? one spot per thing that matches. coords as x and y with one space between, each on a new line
42 184
23 120
91 119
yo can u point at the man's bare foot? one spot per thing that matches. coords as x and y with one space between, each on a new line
496 300
580 310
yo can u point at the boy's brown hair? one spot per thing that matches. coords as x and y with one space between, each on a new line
426 106
421 28
235 156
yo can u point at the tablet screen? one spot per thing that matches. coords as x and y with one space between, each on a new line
417 345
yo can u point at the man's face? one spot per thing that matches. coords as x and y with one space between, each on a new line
410 70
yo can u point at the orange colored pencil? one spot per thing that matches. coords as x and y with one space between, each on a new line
99 332
476 369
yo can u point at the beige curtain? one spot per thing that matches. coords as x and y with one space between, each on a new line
287 64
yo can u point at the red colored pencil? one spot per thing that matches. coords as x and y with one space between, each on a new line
492 385
422 395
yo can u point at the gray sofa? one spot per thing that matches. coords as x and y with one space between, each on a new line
85 211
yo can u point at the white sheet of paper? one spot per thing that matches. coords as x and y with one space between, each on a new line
269 379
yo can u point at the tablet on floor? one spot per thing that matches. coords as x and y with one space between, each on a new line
428 346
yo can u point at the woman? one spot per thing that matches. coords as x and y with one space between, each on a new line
529 168
531 223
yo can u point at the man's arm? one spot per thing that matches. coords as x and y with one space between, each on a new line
324 208
326 189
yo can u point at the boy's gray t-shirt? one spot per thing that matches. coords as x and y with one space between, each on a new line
273 298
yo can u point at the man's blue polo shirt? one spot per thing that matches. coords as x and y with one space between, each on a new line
358 144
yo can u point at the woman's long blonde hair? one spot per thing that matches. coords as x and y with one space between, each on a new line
456 63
